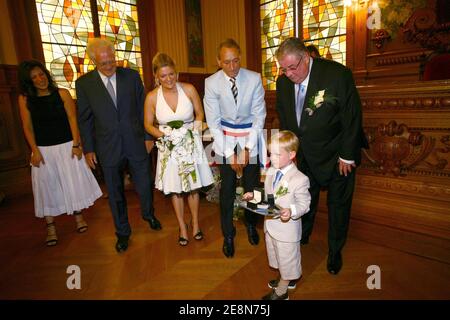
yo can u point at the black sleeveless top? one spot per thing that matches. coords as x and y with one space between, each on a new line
50 122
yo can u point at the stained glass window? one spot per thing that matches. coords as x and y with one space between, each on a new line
277 24
119 22
324 25
67 25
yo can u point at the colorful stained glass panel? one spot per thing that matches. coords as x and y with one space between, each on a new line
65 27
324 25
277 24
119 22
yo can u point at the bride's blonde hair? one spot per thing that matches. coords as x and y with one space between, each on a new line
161 60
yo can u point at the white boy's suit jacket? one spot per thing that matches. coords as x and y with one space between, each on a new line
297 199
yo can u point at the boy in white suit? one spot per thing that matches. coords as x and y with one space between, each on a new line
290 189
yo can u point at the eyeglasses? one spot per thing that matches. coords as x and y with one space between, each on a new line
284 70
106 63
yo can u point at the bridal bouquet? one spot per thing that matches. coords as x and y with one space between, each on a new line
178 143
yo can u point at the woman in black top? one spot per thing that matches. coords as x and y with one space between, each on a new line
61 180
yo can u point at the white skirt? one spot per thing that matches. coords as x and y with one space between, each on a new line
63 184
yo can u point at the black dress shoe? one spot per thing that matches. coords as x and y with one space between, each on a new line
334 263
228 247
253 236
154 223
272 284
273 296
122 244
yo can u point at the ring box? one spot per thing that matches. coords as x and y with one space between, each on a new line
258 197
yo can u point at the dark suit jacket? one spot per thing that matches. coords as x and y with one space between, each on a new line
112 133
335 129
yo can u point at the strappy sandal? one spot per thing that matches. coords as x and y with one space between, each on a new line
82 226
199 235
183 241
51 239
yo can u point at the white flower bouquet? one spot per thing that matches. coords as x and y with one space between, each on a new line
178 143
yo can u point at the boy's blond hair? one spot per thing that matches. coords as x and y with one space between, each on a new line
286 139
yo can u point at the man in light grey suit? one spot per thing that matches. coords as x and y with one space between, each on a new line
110 104
235 112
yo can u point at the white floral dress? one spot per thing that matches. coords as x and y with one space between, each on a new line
188 156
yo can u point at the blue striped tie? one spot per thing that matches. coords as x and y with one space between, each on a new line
234 89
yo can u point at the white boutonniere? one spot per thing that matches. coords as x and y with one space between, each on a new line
317 100
282 189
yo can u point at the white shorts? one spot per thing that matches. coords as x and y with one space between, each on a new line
284 256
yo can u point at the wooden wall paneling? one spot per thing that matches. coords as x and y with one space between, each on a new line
196 79
223 19
394 66
7 47
26 30
356 22
14 153
399 58
404 181
147 28
171 31
12 145
253 32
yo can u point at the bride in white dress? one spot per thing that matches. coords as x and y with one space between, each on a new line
176 101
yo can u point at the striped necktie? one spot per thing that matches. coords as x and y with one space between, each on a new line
234 89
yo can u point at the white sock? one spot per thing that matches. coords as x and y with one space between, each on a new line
281 289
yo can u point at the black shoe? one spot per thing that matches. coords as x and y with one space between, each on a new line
304 240
274 283
154 223
273 296
228 247
253 236
122 244
334 263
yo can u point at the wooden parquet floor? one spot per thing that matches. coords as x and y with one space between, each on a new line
156 267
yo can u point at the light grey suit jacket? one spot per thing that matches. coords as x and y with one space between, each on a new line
220 106
297 199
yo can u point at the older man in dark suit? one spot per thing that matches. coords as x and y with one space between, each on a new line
317 99
110 113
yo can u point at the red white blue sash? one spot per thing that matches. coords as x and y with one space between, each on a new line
236 130
243 130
